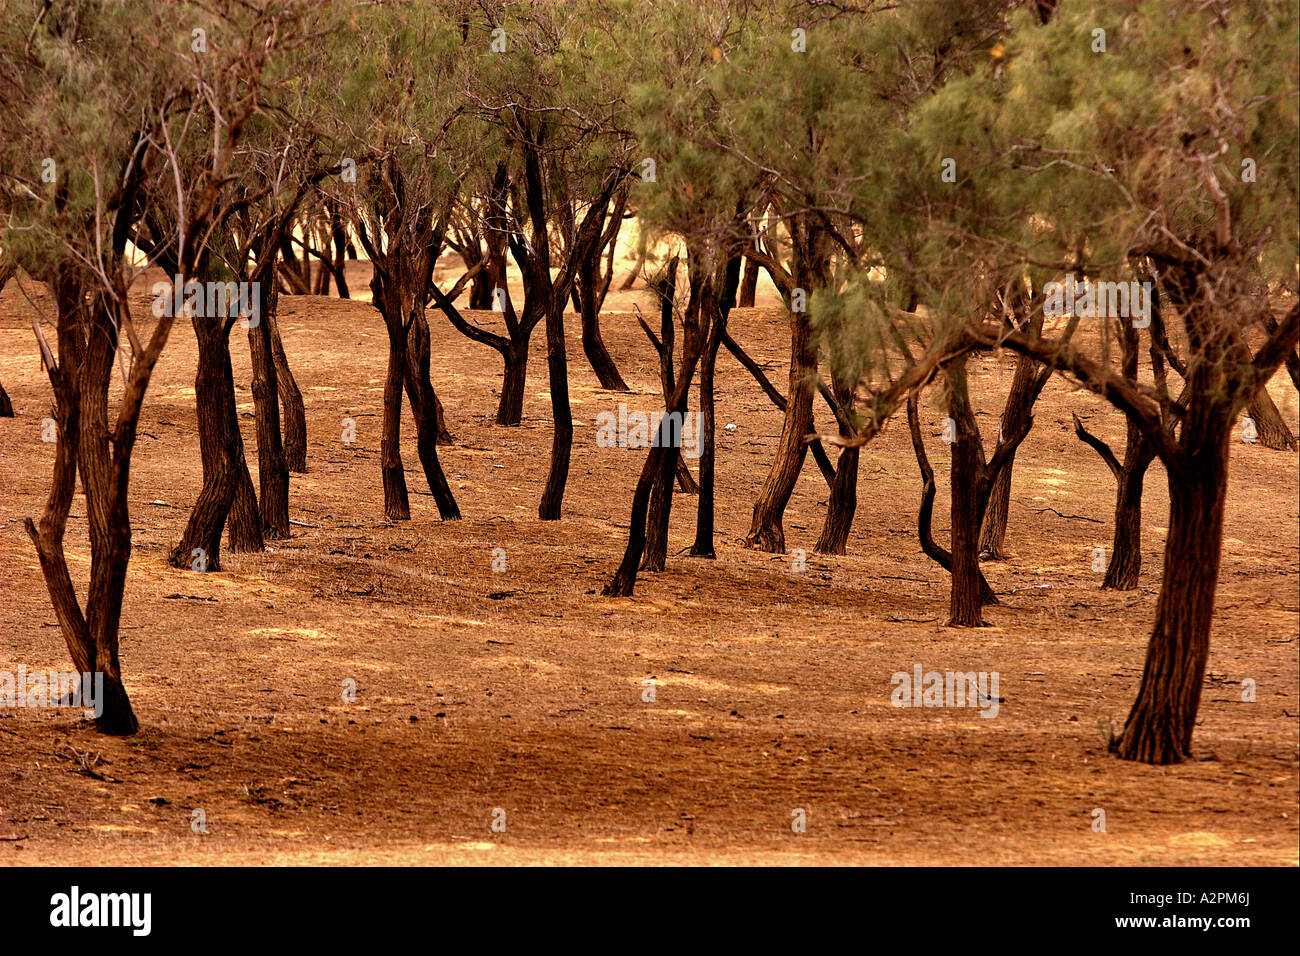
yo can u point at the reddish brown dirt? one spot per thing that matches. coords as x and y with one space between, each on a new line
522 690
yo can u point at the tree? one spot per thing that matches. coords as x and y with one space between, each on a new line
1194 181
99 101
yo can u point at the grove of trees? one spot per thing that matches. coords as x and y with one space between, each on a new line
913 179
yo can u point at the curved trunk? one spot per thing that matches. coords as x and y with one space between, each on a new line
765 530
593 345
426 409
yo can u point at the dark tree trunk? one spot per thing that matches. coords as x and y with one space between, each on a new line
557 366
426 408
1271 430
295 415
842 505
510 408
222 452
105 479
1018 410
925 515
593 345
714 310
244 524
766 532
661 509
749 284
272 467
843 501
661 493
660 461
965 599
1159 727
340 237
397 506
1125 562
704 509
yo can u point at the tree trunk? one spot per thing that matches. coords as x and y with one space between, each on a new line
221 450
561 414
510 408
843 501
656 527
925 514
749 284
592 343
1126 547
295 415
1271 430
425 408
765 531
397 506
1017 412
842 505
704 509
105 478
965 599
1159 727
272 468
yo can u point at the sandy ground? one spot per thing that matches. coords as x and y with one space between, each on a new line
522 691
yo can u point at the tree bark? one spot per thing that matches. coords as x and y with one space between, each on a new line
294 413
1159 726
593 345
1271 430
425 408
765 531
221 448
272 466
843 501
749 284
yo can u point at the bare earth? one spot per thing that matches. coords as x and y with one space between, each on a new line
522 690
